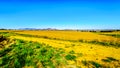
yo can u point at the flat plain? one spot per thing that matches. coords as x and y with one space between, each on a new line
59 49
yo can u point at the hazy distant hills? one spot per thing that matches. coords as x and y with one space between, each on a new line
37 29
82 30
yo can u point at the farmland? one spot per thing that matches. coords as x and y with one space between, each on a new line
59 49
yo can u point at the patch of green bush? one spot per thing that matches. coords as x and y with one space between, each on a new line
84 62
72 52
95 64
70 57
109 59
24 53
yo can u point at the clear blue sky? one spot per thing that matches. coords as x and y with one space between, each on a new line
62 14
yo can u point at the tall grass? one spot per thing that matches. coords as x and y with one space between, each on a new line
24 53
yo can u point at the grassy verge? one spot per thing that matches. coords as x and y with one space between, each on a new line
33 54
7 34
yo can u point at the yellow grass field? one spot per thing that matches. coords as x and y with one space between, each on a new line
71 35
85 52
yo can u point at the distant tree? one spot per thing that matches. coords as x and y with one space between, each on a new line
3 29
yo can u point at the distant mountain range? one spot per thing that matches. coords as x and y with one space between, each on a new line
37 29
82 30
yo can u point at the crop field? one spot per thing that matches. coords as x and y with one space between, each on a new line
59 49
114 34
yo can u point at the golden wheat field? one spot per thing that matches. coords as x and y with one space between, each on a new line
71 35
92 50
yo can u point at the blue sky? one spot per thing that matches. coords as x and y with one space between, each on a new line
61 14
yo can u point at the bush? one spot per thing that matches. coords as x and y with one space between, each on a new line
84 62
70 57
72 52
97 65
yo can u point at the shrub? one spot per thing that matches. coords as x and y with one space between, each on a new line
97 65
72 52
70 57
84 62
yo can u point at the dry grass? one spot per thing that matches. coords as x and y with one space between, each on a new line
72 35
86 53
